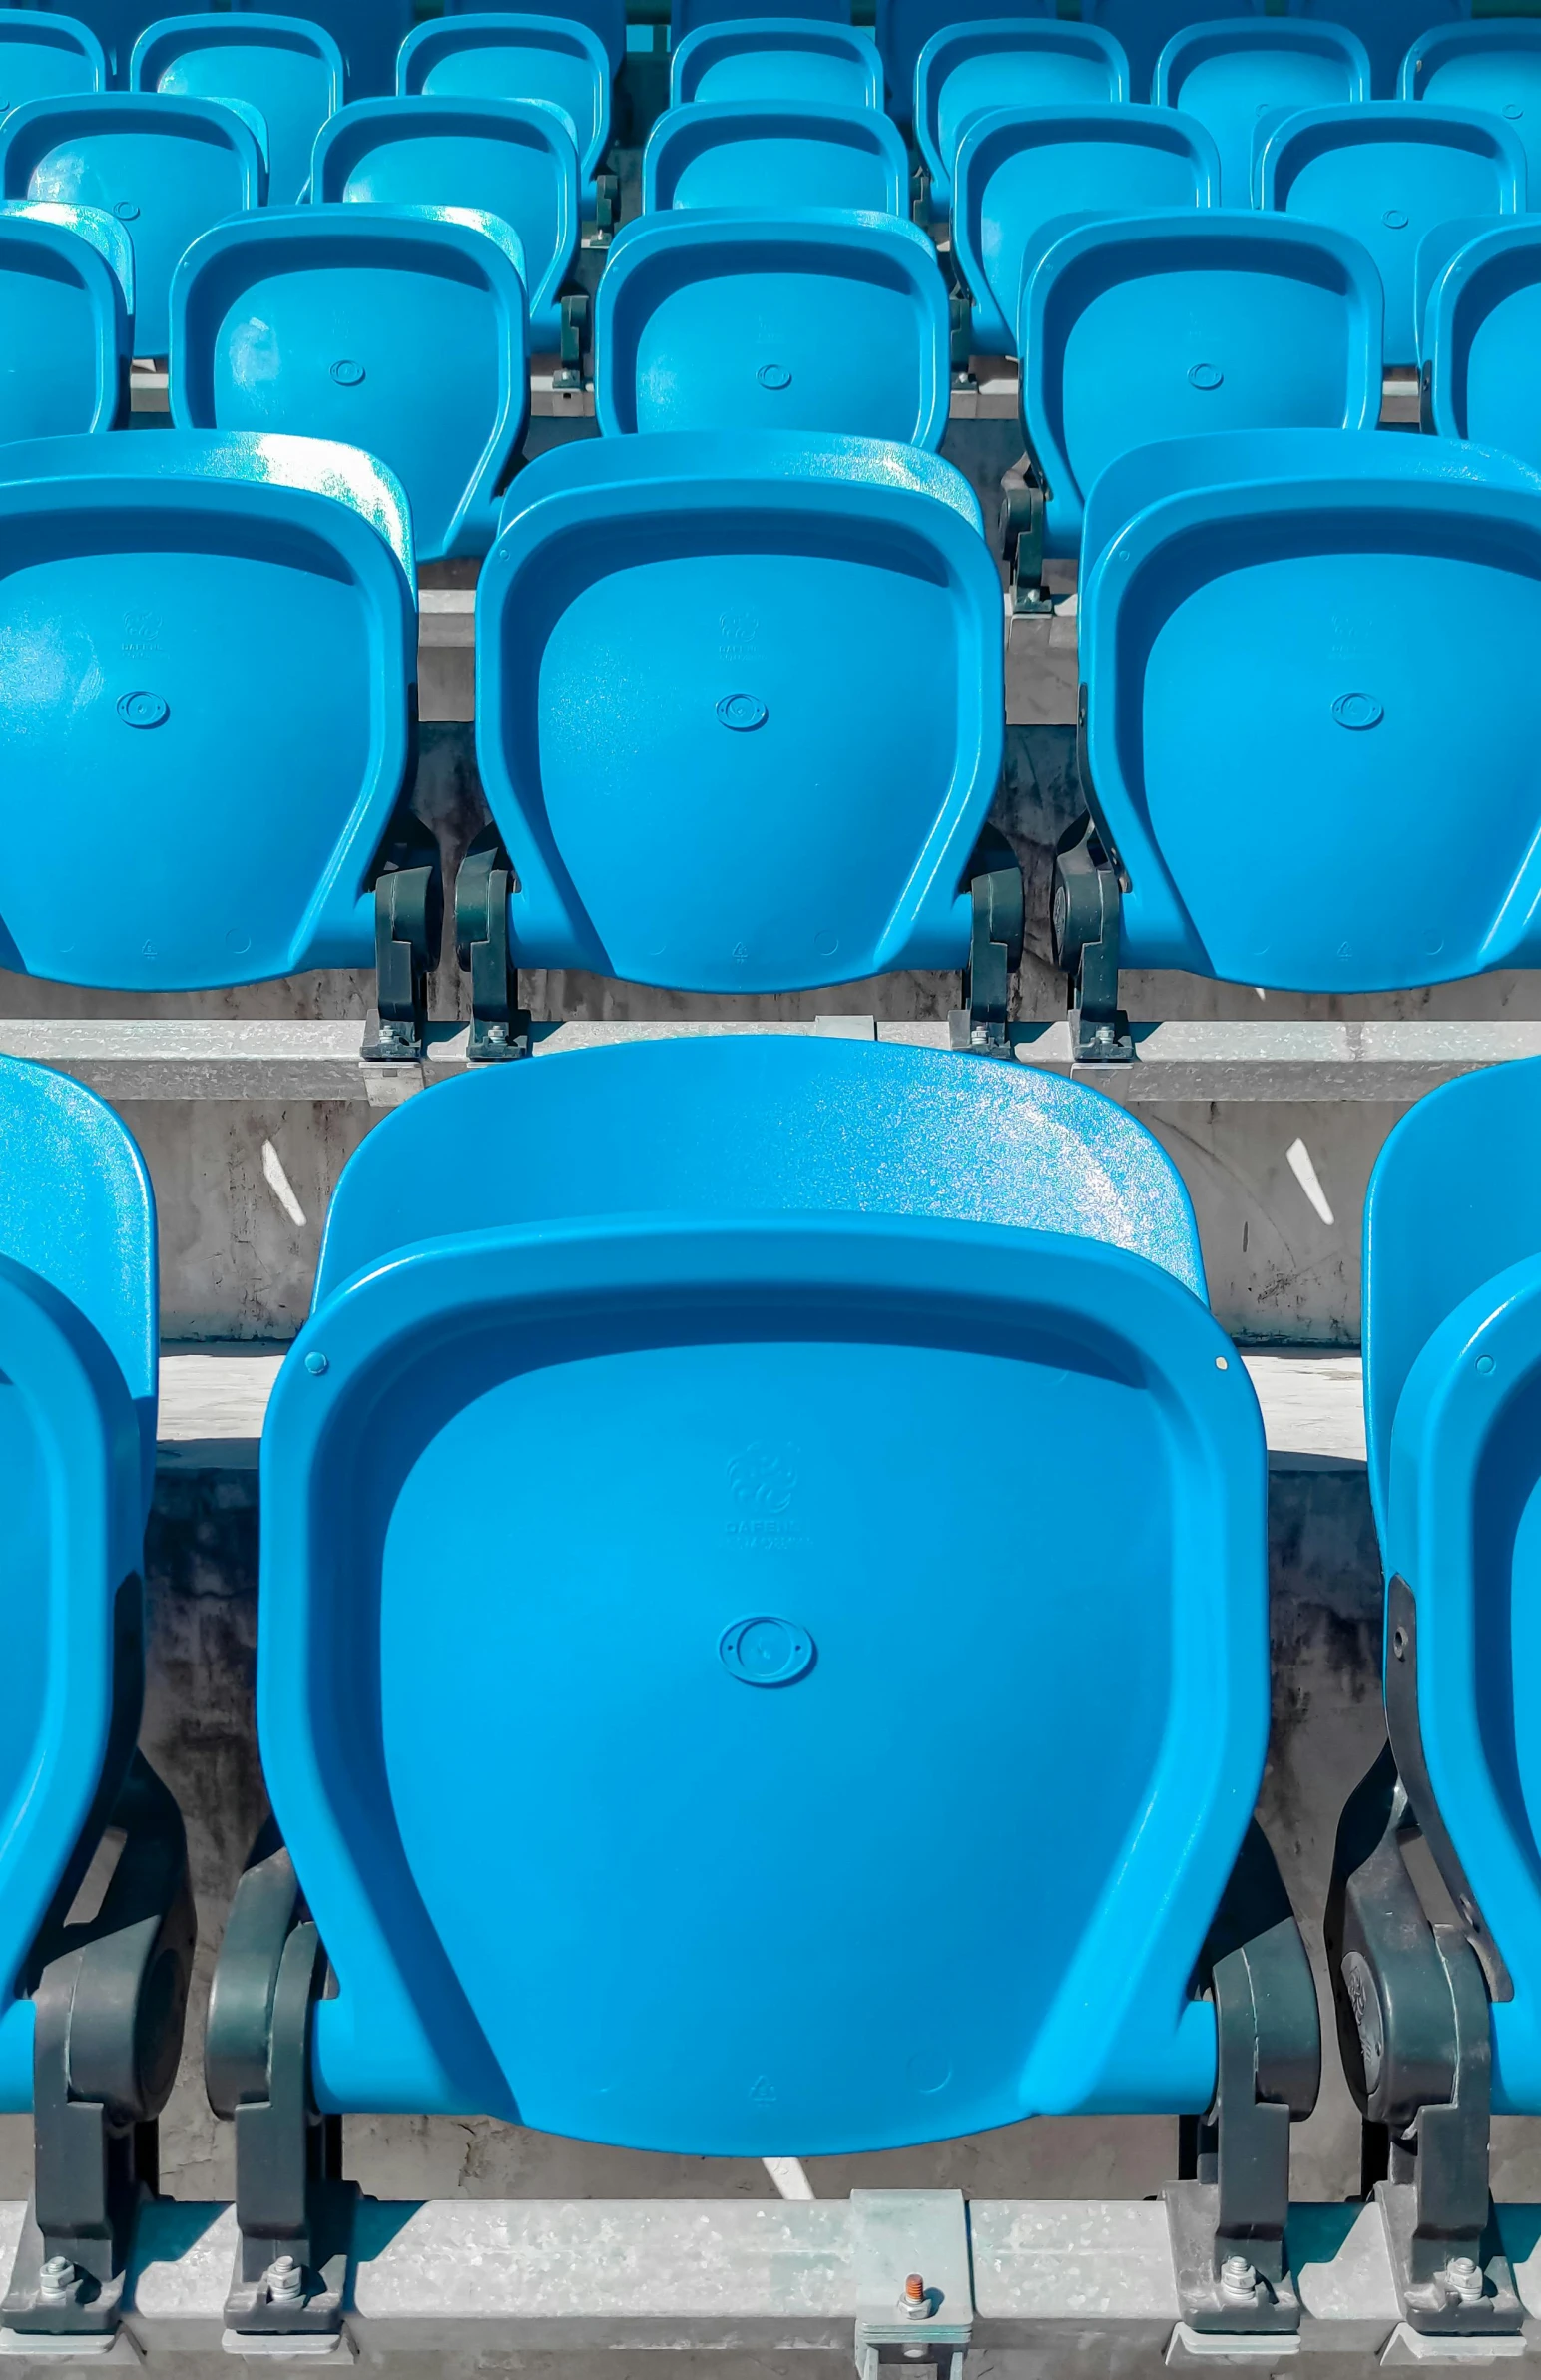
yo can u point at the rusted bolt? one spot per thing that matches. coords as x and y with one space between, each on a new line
916 2304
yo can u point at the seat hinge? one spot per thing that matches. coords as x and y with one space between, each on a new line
500 1028
1228 2214
914 2292
108 2022
960 314
408 935
294 2210
1024 500
606 202
998 909
575 324
1085 926
1415 2027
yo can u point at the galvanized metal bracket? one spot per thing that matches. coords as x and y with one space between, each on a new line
914 2287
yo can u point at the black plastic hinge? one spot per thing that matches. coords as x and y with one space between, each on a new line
960 314
1416 2029
500 1028
1021 530
920 194
294 2210
109 2005
1085 927
575 324
997 905
1228 2214
606 202
408 935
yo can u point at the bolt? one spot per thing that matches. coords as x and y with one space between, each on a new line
916 2304
1237 2279
286 2280
56 2280
1464 2278
1103 1035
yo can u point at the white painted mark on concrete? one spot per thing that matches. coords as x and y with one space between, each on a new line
787 2174
280 1186
1304 1173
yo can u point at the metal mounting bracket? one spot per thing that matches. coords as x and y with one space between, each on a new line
914 2292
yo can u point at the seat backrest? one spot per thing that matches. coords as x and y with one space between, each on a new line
1140 329
1484 341
607 18
1494 63
1297 630
906 26
1244 74
289 71
1019 169
554 59
400 330
761 1596
503 157
367 32
63 307
44 56
784 60
210 651
781 807
1451 1203
710 320
688 16
115 25
165 168
1028 62
1388 173
1143 28
1388 27
78 1356
738 153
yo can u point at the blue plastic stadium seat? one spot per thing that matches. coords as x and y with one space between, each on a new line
1388 27
688 16
1242 76
289 71
63 313
713 321
1493 64
991 62
548 58
737 153
679 1269
705 768
1148 327
1143 28
78 1359
784 60
43 55
607 18
1390 173
1483 335
906 26
498 157
114 25
367 32
211 648
396 330
1452 1370
165 168
1291 640
1019 170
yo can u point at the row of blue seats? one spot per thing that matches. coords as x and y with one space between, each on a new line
405 332
1397 176
707 766
369 33
547 1779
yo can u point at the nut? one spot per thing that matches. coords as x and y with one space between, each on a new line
1238 2281
286 2280
915 2303
56 2280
